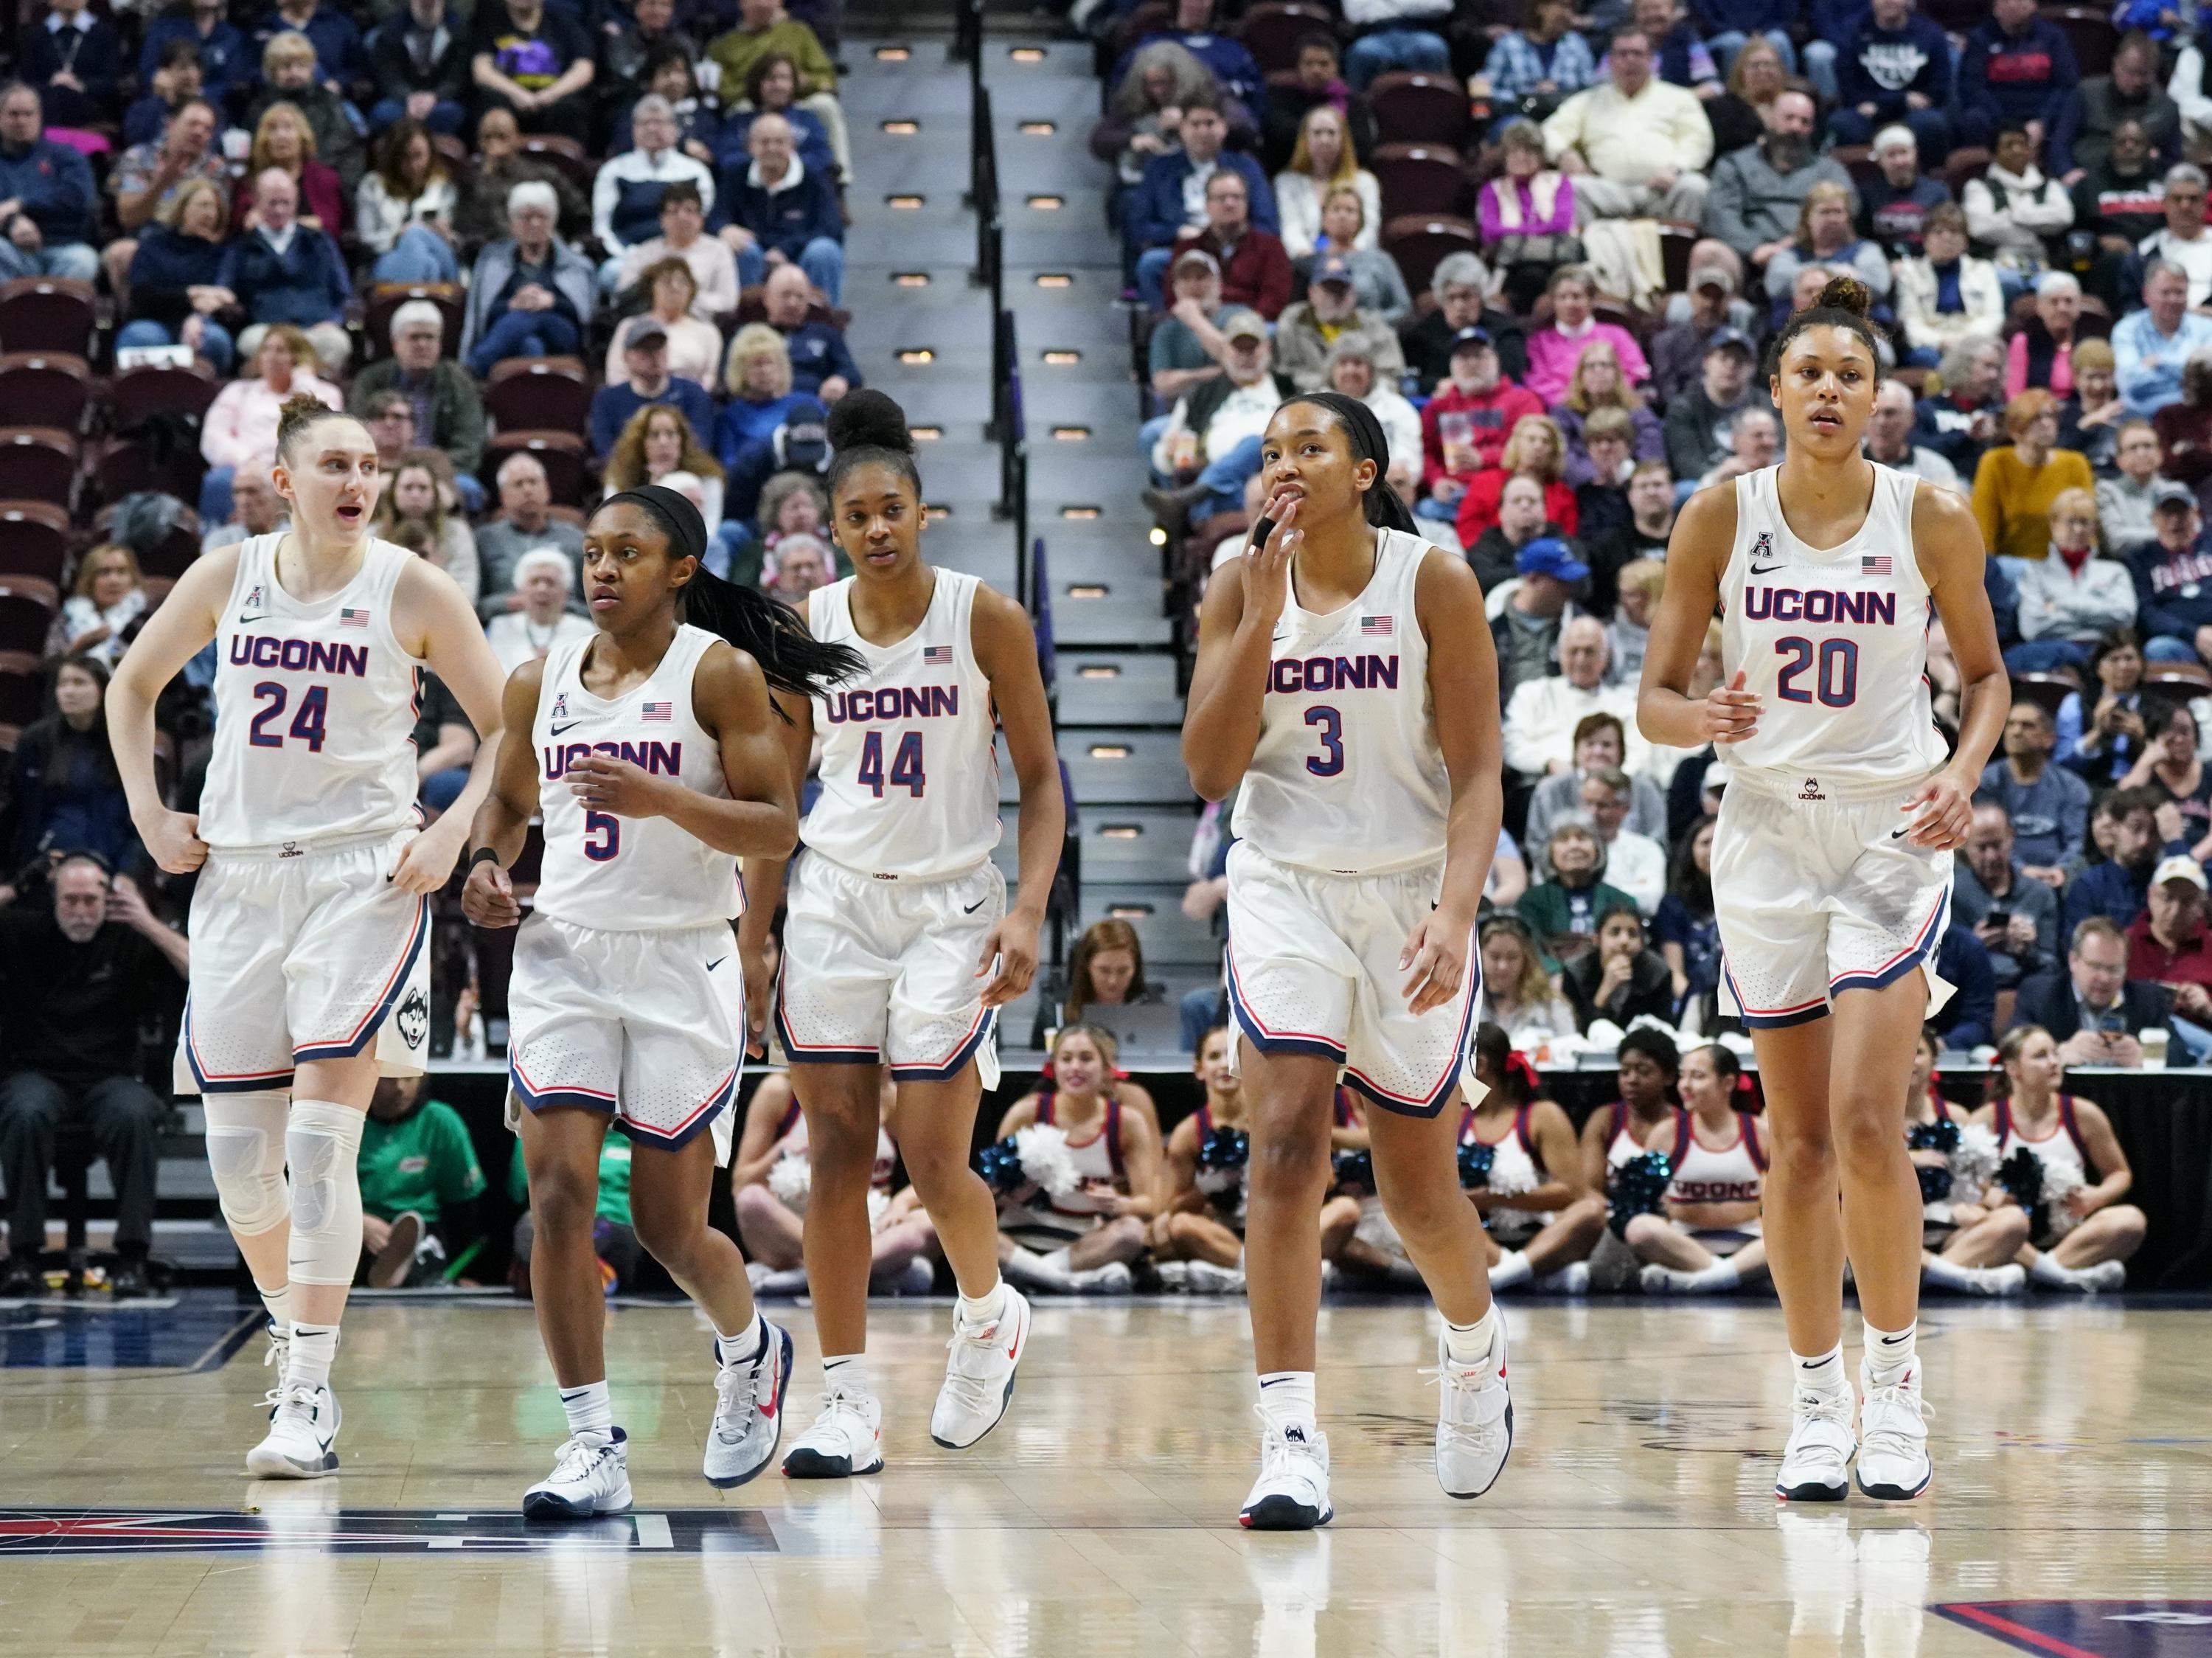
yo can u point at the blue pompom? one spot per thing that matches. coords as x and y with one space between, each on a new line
1356 1169
1225 1148
1474 1160
1638 1186
1000 1165
1942 1135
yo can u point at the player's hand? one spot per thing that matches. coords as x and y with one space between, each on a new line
753 964
1731 713
1946 810
1435 961
1268 569
607 782
426 863
1012 947
172 840
488 896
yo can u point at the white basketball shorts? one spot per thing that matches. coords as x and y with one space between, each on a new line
884 971
1312 969
1816 895
299 953
648 1025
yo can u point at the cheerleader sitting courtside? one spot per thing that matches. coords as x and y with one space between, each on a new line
1709 1242
1540 1220
1967 1246
1198 1236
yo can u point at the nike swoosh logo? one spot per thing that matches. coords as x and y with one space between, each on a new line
970 909
1761 569
1899 834
248 621
556 730
716 962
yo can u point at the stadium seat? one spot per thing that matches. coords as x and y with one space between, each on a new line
1412 107
1969 162
1153 15
22 693
171 556
561 452
1418 179
546 392
1420 242
565 156
34 538
126 465
1271 30
2046 691
137 394
752 306
44 389
2090 33
27 613
1676 239
37 463
47 314
2191 677
386 297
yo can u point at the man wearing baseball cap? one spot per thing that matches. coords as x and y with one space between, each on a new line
645 356
1464 426
1330 312
1679 352
2174 579
2169 943
1218 425
1700 420
1526 630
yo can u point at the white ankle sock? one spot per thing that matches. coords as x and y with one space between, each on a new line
981 1309
1034 1268
1286 1398
743 1347
2047 1270
1889 1354
314 1349
589 1409
1471 1345
1512 1268
278 1303
1721 1275
1821 1374
847 1373
1949 1275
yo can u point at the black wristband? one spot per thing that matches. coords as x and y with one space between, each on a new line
482 855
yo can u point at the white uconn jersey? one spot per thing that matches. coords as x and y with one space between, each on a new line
315 708
1347 777
1836 641
909 778
629 874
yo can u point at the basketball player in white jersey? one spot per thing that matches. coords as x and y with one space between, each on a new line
1832 859
653 759
1366 764
898 945
311 920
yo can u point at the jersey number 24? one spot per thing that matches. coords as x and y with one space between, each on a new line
907 771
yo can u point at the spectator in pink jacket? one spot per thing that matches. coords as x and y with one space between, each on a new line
241 422
1526 216
1553 351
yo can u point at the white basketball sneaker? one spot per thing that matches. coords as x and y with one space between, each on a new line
303 1430
979 1377
1474 1420
847 1438
748 1410
1816 1461
1893 1464
1205 1278
591 1475
1291 1494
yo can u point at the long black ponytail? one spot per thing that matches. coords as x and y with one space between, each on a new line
791 659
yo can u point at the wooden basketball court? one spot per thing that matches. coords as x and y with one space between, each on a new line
1636 1520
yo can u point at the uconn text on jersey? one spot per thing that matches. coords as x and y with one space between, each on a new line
298 656
1819 605
657 760
897 702
1368 673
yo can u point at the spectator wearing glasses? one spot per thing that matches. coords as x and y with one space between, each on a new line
531 294
81 980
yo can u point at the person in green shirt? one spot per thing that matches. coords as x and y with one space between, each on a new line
420 1181
764 26
1564 911
612 1239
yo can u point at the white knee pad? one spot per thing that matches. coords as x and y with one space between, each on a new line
245 1149
323 1142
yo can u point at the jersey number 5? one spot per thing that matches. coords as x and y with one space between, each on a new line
1837 682
906 771
602 836
1330 760
307 724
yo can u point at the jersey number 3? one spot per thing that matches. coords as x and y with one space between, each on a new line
1837 681
906 772
1330 724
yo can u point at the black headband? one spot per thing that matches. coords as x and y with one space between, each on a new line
1383 509
687 530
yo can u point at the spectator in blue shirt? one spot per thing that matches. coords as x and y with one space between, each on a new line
48 204
770 89
73 60
283 272
176 79
821 364
1962 961
2173 579
1237 71
225 60
2017 69
1171 198
2151 346
1898 70
339 58
1836 25
779 211
1391 35
761 396
2048 804
419 61
2119 887
645 355
531 294
1550 58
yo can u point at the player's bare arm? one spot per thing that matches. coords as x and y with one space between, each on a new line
432 621
1697 555
1229 682
1947 541
502 821
764 876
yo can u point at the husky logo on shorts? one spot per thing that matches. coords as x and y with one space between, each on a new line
414 1018
291 850
1811 790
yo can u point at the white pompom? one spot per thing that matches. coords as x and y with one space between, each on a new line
879 1201
1043 1149
2060 1180
1519 1176
1972 1162
1212 1179
791 1179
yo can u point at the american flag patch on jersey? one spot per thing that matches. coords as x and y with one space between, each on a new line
1874 564
939 655
351 618
1377 627
658 711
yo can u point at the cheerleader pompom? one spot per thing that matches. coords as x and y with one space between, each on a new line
1518 1178
2055 1218
1638 1186
791 1179
1041 1148
1475 1162
1000 1165
1355 1169
1974 1163
879 1201
1222 1157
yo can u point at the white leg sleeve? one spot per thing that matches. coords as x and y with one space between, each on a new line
323 1143
245 1149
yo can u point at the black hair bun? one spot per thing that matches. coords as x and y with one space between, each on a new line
867 420
1846 293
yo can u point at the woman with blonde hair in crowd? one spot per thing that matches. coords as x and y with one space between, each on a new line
1517 994
695 345
104 601
2018 483
758 376
403 209
416 493
241 422
658 443
1322 162
1535 450
1599 383
1744 111
170 295
2071 598
286 142
1106 969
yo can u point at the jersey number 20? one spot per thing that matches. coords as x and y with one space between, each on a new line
1837 681
906 771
